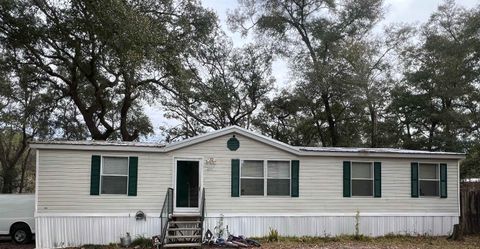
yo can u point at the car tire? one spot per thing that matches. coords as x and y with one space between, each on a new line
21 234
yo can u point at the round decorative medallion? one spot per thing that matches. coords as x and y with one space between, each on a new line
233 143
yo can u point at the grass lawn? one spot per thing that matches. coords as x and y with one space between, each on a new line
347 242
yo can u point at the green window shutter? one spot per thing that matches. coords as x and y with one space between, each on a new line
294 192
235 177
346 179
132 175
443 180
414 174
377 178
95 175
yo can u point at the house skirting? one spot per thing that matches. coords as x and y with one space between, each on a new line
323 225
67 230
61 231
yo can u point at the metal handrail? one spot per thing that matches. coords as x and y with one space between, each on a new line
202 213
167 211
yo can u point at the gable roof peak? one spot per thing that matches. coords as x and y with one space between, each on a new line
228 130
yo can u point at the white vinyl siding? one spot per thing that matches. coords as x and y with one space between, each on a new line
64 183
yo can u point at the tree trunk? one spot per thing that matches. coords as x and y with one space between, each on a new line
24 169
126 136
431 133
374 126
331 121
8 178
88 112
318 126
90 122
457 233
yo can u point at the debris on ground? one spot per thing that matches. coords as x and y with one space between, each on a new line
232 241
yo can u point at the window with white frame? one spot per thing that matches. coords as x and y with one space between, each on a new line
362 179
278 178
265 178
114 175
429 180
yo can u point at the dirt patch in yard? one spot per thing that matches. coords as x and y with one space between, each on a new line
11 245
7 243
392 242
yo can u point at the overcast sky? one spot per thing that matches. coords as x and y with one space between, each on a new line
397 11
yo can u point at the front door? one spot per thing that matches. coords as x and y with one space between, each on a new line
188 185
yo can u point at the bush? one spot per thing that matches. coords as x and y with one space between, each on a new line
272 235
142 242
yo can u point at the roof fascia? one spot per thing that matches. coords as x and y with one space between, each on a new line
383 155
45 146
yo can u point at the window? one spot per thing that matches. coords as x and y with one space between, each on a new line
278 179
362 179
265 178
252 180
429 180
114 175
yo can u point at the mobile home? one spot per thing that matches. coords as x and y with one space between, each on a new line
92 192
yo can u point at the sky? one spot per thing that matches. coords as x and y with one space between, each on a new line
396 11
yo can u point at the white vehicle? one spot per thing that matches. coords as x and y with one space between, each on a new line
17 216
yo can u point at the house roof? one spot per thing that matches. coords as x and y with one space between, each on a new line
296 150
374 150
97 143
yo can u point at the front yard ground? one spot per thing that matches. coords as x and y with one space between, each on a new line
7 243
393 242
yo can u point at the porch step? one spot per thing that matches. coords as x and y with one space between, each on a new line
183 245
181 215
184 222
184 229
183 237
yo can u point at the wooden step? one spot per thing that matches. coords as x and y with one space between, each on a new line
184 222
183 237
182 245
183 229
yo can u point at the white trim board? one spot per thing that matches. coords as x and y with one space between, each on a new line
148 215
217 215
174 182
37 178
